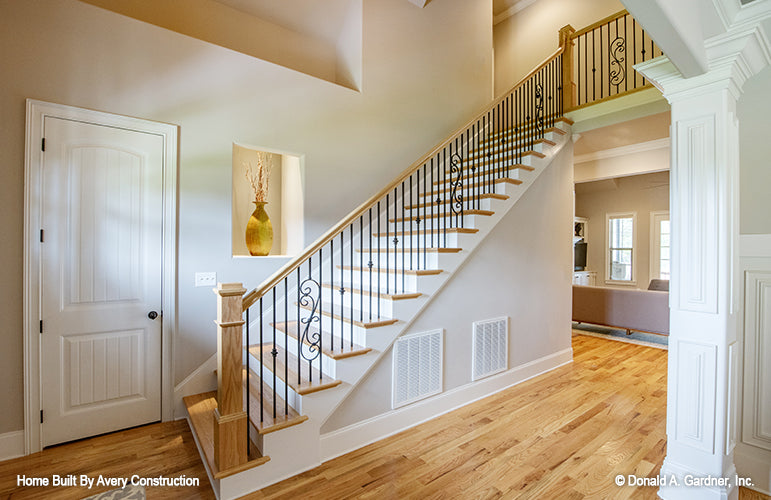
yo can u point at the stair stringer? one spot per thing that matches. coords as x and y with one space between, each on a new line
297 449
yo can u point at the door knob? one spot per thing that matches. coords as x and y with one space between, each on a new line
152 315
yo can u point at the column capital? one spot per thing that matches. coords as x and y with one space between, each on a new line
734 57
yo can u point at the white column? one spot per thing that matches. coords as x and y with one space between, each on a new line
704 208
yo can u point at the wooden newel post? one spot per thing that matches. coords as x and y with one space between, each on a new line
230 427
568 88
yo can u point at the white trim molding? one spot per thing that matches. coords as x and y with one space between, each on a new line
36 113
630 149
621 215
513 10
11 445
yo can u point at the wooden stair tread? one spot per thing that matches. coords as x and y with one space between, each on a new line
508 145
200 408
341 349
387 296
449 230
415 250
498 180
325 310
415 272
269 424
481 196
439 215
305 386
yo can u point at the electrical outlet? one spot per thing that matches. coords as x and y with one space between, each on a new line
205 279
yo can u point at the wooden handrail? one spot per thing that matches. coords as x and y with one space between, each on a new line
254 295
601 22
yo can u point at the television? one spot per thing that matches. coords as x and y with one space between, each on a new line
579 256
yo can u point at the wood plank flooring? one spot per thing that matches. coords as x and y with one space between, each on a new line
563 435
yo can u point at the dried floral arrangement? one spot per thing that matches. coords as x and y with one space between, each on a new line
258 177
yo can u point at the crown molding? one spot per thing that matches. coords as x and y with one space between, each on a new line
640 147
511 11
734 57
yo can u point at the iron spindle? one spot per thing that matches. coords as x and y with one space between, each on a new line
248 387
262 367
286 347
378 258
299 334
332 293
342 290
403 221
388 242
274 352
350 244
320 336
370 264
404 246
361 270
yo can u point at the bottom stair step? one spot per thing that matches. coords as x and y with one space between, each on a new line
286 416
200 408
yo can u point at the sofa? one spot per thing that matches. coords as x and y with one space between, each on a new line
629 309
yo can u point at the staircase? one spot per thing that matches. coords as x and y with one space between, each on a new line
291 351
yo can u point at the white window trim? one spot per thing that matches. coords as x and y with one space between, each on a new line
618 215
655 238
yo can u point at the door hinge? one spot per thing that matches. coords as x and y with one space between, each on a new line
43 144
41 236
41 416
41 326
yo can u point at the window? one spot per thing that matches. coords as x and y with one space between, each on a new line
621 252
660 241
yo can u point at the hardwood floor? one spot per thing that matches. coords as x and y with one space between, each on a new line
564 435
165 449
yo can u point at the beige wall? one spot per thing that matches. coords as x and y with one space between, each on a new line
424 72
642 194
524 40
753 109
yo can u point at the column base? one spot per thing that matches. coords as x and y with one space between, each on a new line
684 484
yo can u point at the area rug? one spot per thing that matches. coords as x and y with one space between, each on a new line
130 492
640 338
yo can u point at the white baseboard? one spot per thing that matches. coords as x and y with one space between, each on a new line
201 380
11 445
350 438
754 463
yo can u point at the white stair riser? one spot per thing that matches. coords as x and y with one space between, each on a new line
448 219
482 204
359 301
361 278
485 173
506 151
394 260
294 399
329 365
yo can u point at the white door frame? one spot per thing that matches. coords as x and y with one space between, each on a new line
36 113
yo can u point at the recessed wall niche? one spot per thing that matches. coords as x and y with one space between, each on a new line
284 199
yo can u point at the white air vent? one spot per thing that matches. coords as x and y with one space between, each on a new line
491 348
417 368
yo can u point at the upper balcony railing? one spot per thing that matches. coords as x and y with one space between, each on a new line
601 59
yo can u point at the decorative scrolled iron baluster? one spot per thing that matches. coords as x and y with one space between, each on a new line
310 297
539 110
456 178
617 59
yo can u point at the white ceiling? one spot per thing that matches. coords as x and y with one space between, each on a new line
301 16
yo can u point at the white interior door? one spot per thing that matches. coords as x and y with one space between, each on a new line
101 276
